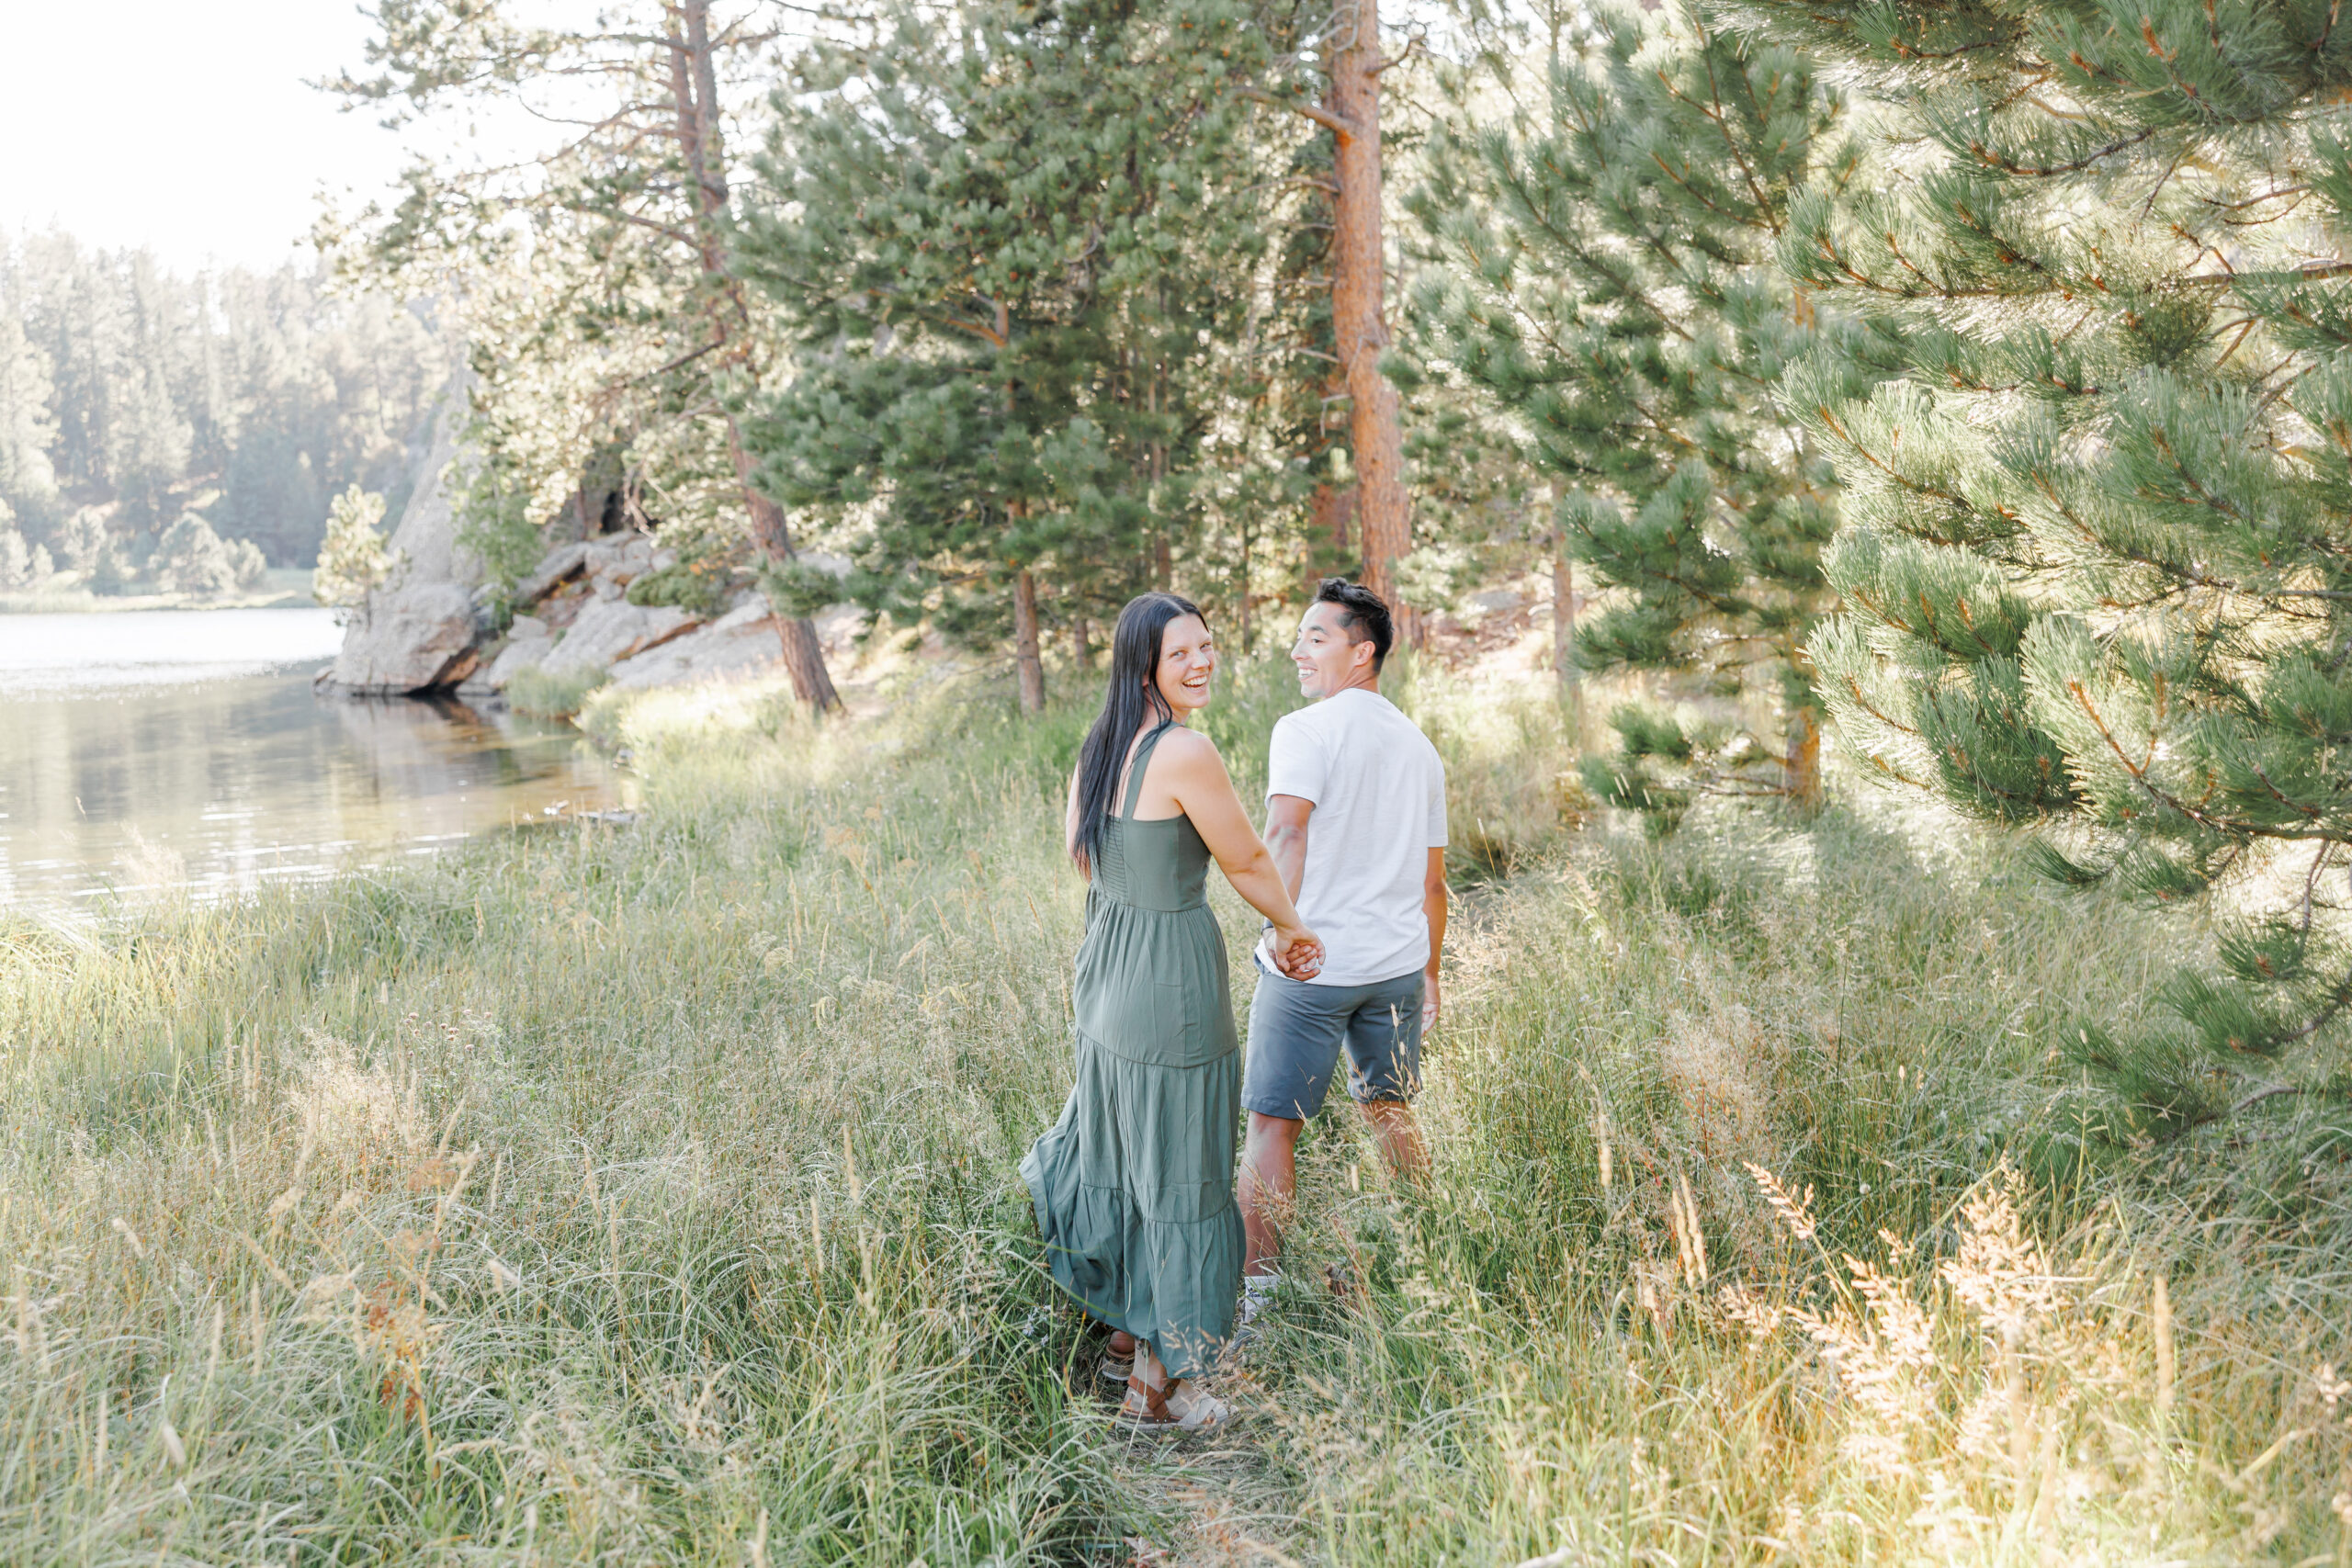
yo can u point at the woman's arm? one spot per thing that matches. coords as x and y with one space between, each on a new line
1069 815
1197 779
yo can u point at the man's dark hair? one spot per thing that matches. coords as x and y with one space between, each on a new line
1364 615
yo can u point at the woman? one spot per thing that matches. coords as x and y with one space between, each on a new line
1134 1185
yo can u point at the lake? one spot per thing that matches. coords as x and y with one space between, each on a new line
152 750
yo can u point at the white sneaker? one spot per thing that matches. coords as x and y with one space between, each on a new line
1256 1294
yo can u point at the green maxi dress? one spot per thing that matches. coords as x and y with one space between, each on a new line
1134 1185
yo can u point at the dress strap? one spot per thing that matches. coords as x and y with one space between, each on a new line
1142 760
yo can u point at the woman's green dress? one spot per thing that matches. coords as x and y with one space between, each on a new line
1134 1185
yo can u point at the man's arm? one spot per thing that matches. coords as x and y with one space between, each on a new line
1434 903
1286 817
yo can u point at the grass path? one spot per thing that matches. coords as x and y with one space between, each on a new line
647 1195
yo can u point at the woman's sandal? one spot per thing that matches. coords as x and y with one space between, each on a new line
1192 1409
1117 1368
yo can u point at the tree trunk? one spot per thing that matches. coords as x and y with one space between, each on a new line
1242 606
1358 320
1024 643
1082 642
803 655
693 89
1330 513
1801 769
1564 618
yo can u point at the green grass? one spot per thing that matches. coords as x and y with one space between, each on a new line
646 1194
559 695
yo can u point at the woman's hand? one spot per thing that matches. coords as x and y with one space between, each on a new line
1298 952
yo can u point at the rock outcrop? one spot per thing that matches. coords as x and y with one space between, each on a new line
412 638
740 642
427 631
418 632
609 630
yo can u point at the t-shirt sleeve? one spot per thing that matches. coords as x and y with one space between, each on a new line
1295 763
1436 802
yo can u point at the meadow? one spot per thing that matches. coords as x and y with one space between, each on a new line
644 1192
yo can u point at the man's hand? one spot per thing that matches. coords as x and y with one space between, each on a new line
1298 953
1429 1003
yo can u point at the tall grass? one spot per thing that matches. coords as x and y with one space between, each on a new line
1770 1226
646 1194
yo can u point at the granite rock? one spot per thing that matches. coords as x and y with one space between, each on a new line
415 632
521 652
740 642
609 630
407 640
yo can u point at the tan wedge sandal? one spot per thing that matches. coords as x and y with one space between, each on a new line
1191 1409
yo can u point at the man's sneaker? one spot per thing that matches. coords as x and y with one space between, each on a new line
1256 1294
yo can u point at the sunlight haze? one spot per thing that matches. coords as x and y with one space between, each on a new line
201 139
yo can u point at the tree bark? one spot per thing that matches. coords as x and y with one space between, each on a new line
1358 318
1025 657
1564 618
693 88
1801 769
1330 513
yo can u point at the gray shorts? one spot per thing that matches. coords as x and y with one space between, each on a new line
1297 1029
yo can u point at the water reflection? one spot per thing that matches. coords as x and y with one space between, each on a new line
150 777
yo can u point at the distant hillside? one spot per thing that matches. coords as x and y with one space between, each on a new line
131 397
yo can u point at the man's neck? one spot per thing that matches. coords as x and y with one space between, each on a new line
1363 681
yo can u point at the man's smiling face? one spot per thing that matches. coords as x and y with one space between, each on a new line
1327 661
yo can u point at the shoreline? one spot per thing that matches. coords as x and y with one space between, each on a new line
288 587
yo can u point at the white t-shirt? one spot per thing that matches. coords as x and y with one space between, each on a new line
1379 794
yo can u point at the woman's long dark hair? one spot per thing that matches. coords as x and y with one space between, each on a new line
1133 699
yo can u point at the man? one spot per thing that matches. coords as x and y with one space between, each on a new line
1355 816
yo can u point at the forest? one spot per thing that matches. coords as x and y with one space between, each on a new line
1866 487
180 433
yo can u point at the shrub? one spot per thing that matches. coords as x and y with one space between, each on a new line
559 695
110 571
696 585
191 558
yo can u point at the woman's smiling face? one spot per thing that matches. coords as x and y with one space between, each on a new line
1187 664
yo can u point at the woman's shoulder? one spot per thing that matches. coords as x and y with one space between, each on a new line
1184 746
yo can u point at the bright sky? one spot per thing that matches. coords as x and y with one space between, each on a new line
183 125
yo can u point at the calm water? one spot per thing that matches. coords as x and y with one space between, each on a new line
153 749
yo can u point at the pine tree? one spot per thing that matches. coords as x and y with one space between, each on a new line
16 557
1614 290
148 435
27 481
128 390
622 321
2094 562
191 558
1005 258
351 558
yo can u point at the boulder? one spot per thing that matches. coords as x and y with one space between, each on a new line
426 540
610 561
619 558
521 652
738 643
560 563
407 640
609 630
415 632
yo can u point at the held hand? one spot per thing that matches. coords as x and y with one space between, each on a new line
1429 1003
1298 952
